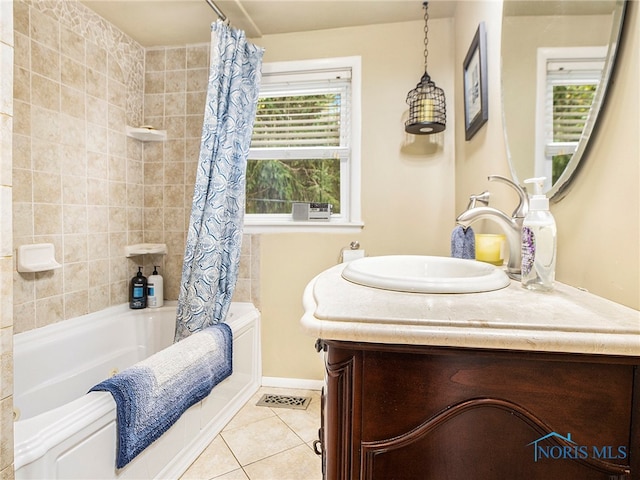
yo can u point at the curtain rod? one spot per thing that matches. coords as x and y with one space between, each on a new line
216 9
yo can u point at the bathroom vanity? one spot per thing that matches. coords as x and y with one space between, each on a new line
502 384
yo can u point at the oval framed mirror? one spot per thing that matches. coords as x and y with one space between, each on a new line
557 59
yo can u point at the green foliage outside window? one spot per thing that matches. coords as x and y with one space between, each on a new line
272 185
571 107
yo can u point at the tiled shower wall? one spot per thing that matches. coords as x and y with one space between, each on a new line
77 177
79 181
6 248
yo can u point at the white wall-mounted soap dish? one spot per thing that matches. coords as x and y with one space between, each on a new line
37 257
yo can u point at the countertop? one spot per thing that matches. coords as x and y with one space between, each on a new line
565 320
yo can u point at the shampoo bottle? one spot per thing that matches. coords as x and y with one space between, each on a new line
538 241
138 291
155 289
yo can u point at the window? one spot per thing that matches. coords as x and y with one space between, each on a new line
568 79
306 142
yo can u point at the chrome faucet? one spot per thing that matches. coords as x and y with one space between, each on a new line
511 225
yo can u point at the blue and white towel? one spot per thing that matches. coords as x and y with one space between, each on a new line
153 394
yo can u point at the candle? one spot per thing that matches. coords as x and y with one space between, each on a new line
425 110
490 248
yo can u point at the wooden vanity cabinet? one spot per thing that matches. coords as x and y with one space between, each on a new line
434 413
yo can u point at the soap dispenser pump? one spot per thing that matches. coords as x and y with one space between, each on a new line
155 289
538 241
138 291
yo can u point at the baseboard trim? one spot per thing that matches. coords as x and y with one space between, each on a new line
299 383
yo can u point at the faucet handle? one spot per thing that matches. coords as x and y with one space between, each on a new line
523 204
483 198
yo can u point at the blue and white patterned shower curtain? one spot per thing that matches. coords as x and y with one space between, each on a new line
214 238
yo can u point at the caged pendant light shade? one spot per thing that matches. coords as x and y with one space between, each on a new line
427 105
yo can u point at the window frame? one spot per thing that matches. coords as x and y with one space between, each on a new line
350 217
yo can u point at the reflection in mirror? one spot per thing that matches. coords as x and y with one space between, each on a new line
557 57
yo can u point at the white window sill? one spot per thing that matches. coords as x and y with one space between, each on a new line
290 226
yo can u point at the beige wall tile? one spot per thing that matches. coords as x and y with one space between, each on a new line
49 310
155 60
47 219
45 30
48 284
22 220
198 56
45 61
72 45
6 293
45 156
74 190
175 81
6 432
47 187
76 304
45 92
72 102
176 58
73 73
75 248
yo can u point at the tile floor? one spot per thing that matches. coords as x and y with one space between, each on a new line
264 443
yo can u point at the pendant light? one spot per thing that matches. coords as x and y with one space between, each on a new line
427 106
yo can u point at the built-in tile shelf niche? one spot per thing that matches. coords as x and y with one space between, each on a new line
147 133
145 249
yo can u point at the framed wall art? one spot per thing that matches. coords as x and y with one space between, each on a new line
476 109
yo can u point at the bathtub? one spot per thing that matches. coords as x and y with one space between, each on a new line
61 431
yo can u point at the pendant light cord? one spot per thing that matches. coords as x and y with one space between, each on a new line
426 33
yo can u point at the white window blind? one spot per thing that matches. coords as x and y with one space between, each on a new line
571 88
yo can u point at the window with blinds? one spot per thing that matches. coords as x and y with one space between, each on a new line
572 76
301 149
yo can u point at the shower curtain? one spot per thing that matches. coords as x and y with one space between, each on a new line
214 238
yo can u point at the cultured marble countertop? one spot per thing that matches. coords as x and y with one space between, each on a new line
565 320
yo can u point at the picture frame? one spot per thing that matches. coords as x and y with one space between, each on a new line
476 109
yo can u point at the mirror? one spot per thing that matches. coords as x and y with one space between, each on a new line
557 57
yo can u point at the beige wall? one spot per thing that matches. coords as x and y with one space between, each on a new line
407 181
598 232
599 220
6 242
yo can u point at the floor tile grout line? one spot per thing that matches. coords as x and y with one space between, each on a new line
272 455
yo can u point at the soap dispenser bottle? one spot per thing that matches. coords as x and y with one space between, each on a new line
138 291
538 241
155 289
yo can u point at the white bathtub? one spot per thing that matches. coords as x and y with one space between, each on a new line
61 431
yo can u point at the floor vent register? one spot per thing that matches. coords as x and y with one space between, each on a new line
283 401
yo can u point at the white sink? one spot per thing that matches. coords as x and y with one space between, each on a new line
424 274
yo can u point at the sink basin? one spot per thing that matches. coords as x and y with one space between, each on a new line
425 274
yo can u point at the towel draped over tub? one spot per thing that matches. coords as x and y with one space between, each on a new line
152 395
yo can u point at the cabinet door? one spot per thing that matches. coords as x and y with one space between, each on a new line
421 413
